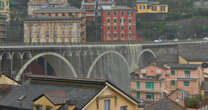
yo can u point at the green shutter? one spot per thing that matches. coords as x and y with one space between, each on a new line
150 85
172 82
186 83
153 96
160 84
138 85
138 95
173 72
187 73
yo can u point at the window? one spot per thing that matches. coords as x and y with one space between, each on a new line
122 35
108 27
38 107
162 8
122 20
115 20
160 84
172 72
150 96
129 13
154 8
186 83
129 20
63 40
49 107
130 36
149 85
63 14
187 74
123 108
129 27
108 20
107 104
115 28
142 7
115 13
122 27
138 85
109 13
115 35
122 13
70 14
49 14
172 82
138 96
56 14
108 36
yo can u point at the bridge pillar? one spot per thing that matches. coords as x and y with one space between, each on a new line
45 67
1 64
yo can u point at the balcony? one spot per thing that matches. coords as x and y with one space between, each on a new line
146 90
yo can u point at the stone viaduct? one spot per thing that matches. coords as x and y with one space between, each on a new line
114 62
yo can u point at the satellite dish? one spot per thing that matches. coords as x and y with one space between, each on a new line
204 65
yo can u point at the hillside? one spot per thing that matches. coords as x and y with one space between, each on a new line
183 21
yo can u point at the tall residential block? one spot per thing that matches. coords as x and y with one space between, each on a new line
118 23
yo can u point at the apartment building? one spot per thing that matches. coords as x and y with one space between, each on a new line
187 77
53 24
118 23
148 83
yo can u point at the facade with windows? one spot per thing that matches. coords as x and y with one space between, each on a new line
145 6
92 7
34 5
148 83
187 77
55 25
118 24
5 9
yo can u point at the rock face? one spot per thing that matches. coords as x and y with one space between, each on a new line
200 4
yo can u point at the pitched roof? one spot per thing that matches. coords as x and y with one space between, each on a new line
164 104
58 90
24 95
183 66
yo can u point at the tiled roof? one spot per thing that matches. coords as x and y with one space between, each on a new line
58 9
50 18
164 104
194 52
79 91
115 8
57 90
183 66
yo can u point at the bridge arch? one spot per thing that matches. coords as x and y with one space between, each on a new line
100 56
18 77
143 52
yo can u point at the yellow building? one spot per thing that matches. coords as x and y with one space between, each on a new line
4 9
56 25
145 6
109 98
3 27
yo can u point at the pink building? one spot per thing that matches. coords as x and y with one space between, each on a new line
148 83
188 77
151 82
